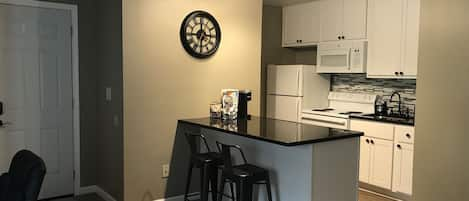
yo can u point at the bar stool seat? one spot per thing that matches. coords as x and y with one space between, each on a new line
208 164
203 158
245 175
248 170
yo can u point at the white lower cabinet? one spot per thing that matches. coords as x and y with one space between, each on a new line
403 168
386 155
376 162
365 157
381 163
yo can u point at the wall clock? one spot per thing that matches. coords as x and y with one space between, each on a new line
200 34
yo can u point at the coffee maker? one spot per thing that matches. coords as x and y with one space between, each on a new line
244 97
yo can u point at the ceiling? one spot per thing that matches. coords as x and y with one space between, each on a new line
283 2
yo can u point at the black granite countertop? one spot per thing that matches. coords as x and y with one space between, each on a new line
393 120
275 131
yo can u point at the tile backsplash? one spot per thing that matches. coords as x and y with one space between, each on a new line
358 83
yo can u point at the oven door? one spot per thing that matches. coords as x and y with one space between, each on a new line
334 61
325 121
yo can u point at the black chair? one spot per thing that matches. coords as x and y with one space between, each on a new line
245 175
207 162
24 179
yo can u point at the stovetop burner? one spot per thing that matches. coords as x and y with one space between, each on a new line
349 113
323 110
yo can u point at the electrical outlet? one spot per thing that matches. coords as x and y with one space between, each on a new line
165 170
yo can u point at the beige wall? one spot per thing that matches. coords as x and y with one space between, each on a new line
442 124
162 83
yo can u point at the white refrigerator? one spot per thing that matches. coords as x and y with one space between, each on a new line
292 88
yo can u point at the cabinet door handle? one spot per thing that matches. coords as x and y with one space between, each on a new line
402 73
408 135
343 37
372 142
367 141
399 146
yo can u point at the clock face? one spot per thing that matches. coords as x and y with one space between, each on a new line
200 34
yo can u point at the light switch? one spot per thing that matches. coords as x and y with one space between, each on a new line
108 93
116 121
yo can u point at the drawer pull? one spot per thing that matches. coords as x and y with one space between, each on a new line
399 146
408 135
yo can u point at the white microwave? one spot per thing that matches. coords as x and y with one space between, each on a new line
342 57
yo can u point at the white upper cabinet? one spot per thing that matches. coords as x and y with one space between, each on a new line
301 24
393 29
343 20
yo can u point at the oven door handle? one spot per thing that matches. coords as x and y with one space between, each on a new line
342 123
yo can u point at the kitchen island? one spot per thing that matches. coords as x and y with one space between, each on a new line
306 162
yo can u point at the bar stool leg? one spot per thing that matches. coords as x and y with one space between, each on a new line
222 188
204 180
188 181
232 191
244 190
269 190
214 182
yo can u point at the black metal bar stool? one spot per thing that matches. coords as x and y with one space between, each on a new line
207 162
245 176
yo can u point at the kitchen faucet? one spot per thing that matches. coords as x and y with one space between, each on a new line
399 102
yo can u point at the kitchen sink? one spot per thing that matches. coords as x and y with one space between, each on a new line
391 119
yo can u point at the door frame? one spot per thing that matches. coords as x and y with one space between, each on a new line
75 73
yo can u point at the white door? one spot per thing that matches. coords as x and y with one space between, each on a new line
365 154
331 19
36 89
283 107
284 80
381 163
385 37
403 168
355 19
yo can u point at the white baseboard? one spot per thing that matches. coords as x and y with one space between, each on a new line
98 190
176 198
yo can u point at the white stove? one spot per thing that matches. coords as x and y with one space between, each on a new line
341 106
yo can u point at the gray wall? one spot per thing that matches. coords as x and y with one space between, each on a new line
442 129
88 90
109 139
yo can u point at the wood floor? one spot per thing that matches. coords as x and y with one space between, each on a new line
89 197
365 196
